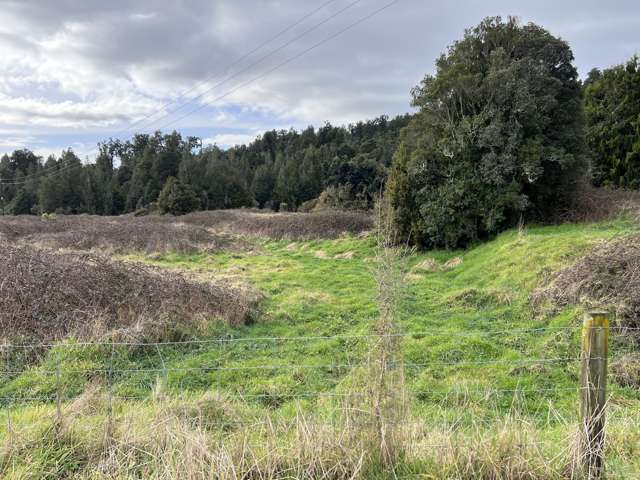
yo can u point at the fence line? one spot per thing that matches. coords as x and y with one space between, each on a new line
329 366
226 340
161 367
312 394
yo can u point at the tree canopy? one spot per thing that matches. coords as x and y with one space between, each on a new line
499 134
612 103
280 169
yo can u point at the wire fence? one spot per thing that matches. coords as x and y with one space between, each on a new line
173 376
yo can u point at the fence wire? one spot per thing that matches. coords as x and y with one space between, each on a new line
64 378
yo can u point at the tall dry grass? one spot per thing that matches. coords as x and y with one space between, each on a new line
158 440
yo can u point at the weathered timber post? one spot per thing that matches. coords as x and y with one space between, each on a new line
593 392
58 394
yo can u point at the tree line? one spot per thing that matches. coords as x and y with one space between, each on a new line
282 169
503 132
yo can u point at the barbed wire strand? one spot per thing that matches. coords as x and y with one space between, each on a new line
329 366
417 334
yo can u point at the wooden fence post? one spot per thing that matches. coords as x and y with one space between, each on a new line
593 392
58 395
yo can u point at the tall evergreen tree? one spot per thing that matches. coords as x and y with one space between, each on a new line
500 134
613 118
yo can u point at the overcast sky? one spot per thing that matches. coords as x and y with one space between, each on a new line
73 72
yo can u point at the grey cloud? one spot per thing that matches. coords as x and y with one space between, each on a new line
146 51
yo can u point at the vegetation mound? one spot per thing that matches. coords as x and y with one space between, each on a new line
591 204
49 295
278 226
608 277
118 234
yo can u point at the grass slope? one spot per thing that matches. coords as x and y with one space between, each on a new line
467 355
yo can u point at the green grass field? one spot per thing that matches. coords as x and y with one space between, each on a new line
479 363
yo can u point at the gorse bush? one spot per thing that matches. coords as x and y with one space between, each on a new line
499 135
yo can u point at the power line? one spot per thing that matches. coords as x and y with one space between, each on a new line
235 62
282 64
257 62
265 73
51 172
55 170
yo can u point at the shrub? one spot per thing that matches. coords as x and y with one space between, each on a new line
595 204
605 278
341 197
499 135
177 198
49 295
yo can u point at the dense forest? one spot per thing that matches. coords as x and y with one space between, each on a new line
503 132
283 170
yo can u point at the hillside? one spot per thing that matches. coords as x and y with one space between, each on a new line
488 387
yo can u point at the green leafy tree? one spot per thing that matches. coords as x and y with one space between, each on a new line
499 135
612 103
177 198
287 182
263 184
227 180
310 176
137 184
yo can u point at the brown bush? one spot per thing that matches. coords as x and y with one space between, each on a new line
626 370
49 295
591 204
119 234
277 226
608 277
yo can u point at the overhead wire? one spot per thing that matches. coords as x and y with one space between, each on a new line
259 61
254 79
281 64
232 64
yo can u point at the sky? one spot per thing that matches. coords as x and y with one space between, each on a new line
76 72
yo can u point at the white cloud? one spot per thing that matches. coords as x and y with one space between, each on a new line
17 142
97 66
230 139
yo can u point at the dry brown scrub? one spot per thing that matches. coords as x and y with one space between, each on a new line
591 204
117 234
293 226
608 277
196 232
50 295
